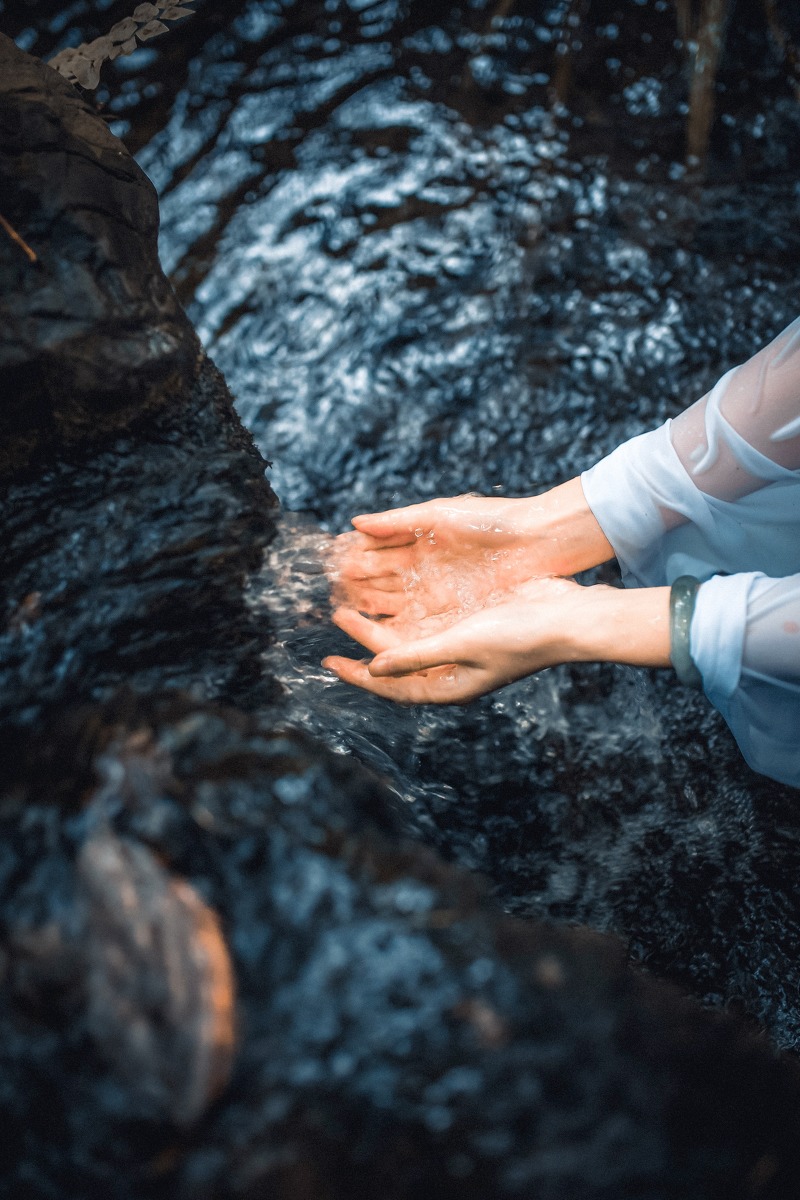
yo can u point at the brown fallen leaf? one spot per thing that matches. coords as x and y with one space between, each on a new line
160 980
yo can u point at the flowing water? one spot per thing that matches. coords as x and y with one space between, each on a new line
437 249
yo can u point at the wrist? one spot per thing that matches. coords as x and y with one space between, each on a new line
567 535
630 626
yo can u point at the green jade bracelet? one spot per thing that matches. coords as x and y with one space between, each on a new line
682 597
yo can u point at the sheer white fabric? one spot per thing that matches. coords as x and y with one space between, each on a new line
716 494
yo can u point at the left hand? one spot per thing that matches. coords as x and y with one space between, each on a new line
431 661
449 658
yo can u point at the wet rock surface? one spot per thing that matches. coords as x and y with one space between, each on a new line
127 534
91 335
128 567
391 1034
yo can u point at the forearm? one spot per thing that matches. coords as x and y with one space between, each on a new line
567 535
621 625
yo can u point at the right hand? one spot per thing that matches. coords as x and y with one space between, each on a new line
446 558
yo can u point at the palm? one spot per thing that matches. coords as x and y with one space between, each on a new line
444 659
439 560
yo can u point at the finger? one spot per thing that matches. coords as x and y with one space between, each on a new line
354 543
390 541
415 689
403 691
422 655
372 601
396 522
381 583
372 634
356 555
450 687
374 564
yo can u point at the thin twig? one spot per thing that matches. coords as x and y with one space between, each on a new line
709 37
684 19
499 13
12 233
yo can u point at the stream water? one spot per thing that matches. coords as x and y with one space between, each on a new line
440 248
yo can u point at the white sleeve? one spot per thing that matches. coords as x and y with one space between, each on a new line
716 492
745 642
718 488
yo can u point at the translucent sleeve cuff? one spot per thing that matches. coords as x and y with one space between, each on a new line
716 494
638 493
745 642
717 634
662 525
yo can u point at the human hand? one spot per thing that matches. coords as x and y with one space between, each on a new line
545 621
449 557
433 660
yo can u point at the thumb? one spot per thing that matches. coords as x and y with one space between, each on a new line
392 522
416 656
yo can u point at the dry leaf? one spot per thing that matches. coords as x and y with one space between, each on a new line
82 65
86 73
123 30
151 29
63 60
161 989
99 49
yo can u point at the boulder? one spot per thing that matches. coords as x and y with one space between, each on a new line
226 976
133 501
91 335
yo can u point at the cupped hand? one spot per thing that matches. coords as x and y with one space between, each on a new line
453 556
432 660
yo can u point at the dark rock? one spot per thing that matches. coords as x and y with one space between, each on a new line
91 335
397 1036
125 553
129 566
